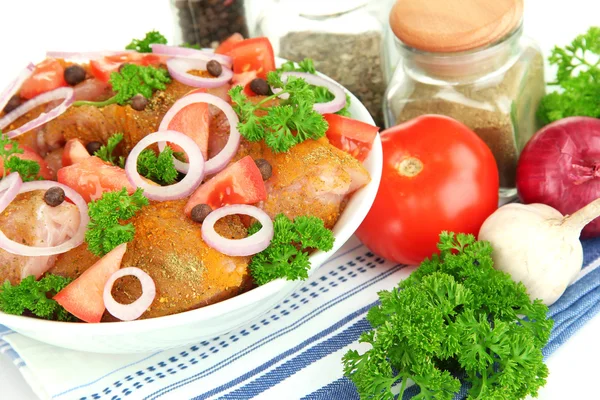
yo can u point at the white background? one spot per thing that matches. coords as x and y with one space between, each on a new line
29 28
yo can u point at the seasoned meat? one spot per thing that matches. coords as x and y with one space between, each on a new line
169 247
312 178
29 220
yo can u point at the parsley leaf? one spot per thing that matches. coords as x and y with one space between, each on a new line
285 125
132 80
454 316
35 297
106 151
577 80
105 231
160 169
28 169
143 45
287 255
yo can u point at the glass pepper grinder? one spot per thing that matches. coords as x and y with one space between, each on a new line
468 59
344 38
208 22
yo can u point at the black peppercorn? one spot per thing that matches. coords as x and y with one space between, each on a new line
260 87
13 103
74 75
93 147
266 170
214 68
54 196
200 212
139 102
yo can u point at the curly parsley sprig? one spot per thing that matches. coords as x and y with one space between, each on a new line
577 78
35 297
287 255
160 169
454 316
105 230
283 126
132 80
28 169
143 45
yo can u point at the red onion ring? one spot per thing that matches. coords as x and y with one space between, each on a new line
179 67
84 55
129 312
176 51
65 93
333 106
12 87
178 190
238 247
23 250
221 160
9 189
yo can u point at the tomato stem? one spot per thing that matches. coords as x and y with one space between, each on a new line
410 167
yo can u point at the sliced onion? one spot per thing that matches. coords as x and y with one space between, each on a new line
65 93
12 87
84 55
176 51
179 67
9 189
129 312
221 160
333 106
23 250
178 190
238 247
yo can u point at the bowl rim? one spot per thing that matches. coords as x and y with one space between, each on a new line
252 296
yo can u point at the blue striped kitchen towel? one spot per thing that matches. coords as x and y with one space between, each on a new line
292 352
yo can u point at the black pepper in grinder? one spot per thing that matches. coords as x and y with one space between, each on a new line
208 22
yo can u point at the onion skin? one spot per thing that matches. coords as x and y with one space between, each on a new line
560 167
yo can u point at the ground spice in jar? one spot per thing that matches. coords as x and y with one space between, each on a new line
208 22
500 109
353 60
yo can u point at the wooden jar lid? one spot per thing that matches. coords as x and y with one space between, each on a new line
454 25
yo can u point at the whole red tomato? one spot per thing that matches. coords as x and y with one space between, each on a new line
437 175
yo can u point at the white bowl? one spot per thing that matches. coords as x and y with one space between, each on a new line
210 321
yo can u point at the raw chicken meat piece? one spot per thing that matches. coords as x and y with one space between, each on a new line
29 220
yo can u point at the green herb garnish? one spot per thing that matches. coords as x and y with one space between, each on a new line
143 45
454 316
28 169
132 80
322 95
285 125
577 78
105 230
106 152
159 169
35 297
287 255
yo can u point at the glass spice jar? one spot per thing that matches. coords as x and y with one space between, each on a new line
208 22
344 38
468 60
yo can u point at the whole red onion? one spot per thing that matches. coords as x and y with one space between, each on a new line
560 167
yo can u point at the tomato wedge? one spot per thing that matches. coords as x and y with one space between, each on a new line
103 67
47 75
239 183
193 121
84 297
227 44
30 154
350 135
92 177
74 152
254 54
